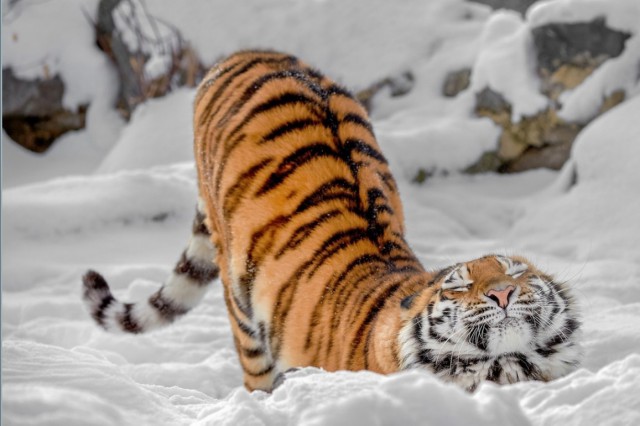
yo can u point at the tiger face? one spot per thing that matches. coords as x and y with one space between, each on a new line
496 318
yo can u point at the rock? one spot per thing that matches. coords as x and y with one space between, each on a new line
489 162
549 156
33 114
398 85
489 102
567 53
456 81
531 134
160 62
36 98
611 101
517 5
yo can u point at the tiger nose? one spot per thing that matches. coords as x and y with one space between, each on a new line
501 297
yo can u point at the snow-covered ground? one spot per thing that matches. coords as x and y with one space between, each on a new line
119 198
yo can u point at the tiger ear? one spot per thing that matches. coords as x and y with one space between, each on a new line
408 301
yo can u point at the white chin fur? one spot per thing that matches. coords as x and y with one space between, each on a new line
510 335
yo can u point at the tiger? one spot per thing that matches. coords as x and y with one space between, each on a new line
300 218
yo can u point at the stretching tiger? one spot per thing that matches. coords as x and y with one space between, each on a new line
301 218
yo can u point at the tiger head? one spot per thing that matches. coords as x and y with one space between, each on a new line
496 318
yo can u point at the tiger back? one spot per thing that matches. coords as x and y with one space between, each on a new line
305 214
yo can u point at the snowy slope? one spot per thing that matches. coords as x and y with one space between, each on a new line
128 214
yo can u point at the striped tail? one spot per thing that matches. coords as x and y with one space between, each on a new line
184 289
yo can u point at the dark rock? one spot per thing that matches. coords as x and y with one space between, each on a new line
517 5
398 85
488 162
578 44
37 98
422 175
490 101
567 53
33 114
526 143
456 81
549 156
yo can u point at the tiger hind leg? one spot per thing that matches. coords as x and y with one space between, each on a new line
183 290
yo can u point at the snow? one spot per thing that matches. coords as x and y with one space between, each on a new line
120 198
145 34
170 137
613 75
506 64
35 47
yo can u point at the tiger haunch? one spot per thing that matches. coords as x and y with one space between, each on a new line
308 231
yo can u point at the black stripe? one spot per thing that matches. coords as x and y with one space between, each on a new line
266 370
388 181
289 127
443 362
127 322
337 307
359 120
293 161
377 272
546 352
166 308
260 82
281 311
244 307
358 145
282 100
197 271
304 231
557 340
528 368
241 325
375 228
338 188
282 306
390 246
234 138
479 336
262 241
199 227
98 313
335 89
433 334
493 375
252 353
246 68
346 286
417 323
337 242
234 195
375 308
570 325
314 73
425 357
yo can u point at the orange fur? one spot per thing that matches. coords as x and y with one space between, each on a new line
238 215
